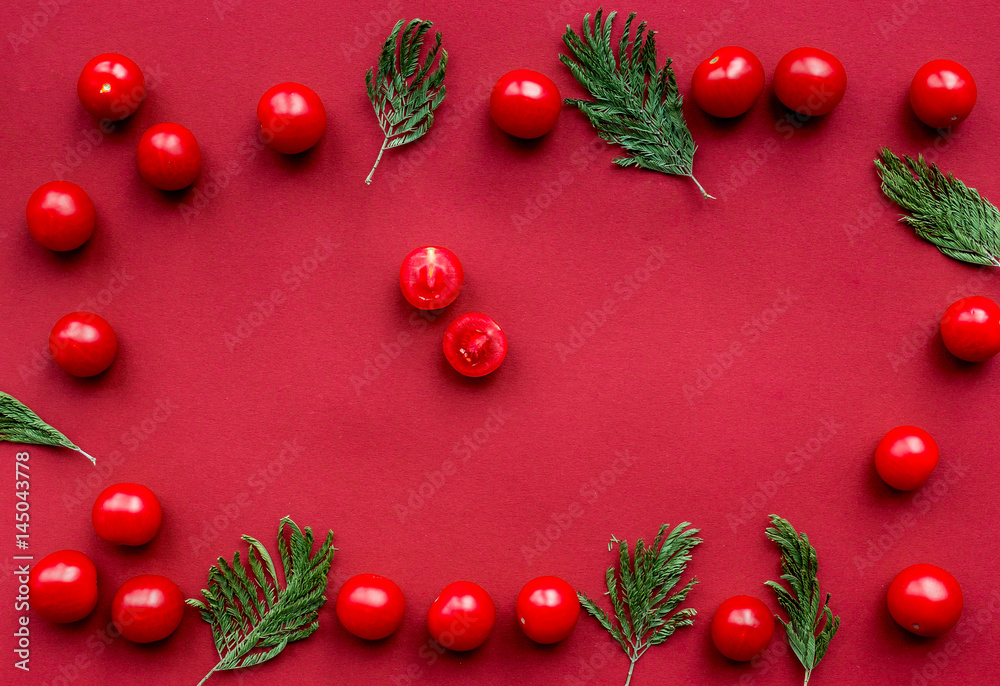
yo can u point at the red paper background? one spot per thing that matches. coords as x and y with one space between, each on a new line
799 216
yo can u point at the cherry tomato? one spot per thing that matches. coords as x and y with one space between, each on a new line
292 117
942 93
370 606
62 587
83 344
60 215
925 599
127 514
810 81
905 457
525 103
169 157
147 608
547 609
742 627
462 616
111 86
729 82
474 344
970 328
431 277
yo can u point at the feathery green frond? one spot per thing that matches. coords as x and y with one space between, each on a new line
644 611
252 617
18 424
811 624
634 105
403 97
943 210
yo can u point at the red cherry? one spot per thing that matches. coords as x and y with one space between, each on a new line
127 514
525 103
111 86
474 344
431 277
62 587
970 328
905 457
292 117
147 608
60 215
169 157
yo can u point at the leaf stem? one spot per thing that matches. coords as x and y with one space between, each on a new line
628 679
88 456
703 192
806 682
377 160
209 674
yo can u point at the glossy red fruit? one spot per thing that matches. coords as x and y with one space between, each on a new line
810 81
742 627
905 457
83 343
970 328
925 600
292 117
474 344
728 83
111 86
169 157
525 103
62 586
462 616
547 609
370 606
127 514
431 277
60 215
147 608
942 93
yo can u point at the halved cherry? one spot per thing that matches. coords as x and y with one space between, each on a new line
474 344
431 277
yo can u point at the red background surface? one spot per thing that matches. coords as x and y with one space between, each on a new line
803 218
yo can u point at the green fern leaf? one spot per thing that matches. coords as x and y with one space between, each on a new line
18 424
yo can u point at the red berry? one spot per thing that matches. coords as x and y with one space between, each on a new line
60 215
370 606
83 343
292 117
905 457
970 328
111 86
942 93
742 627
462 616
62 587
474 344
147 608
547 609
127 514
169 157
925 600
431 277
525 103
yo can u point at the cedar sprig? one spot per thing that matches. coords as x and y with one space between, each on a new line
943 210
252 616
403 97
634 105
811 625
645 612
18 424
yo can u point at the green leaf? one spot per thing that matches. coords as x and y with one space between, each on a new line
644 609
943 210
18 424
634 105
404 98
252 617
809 630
